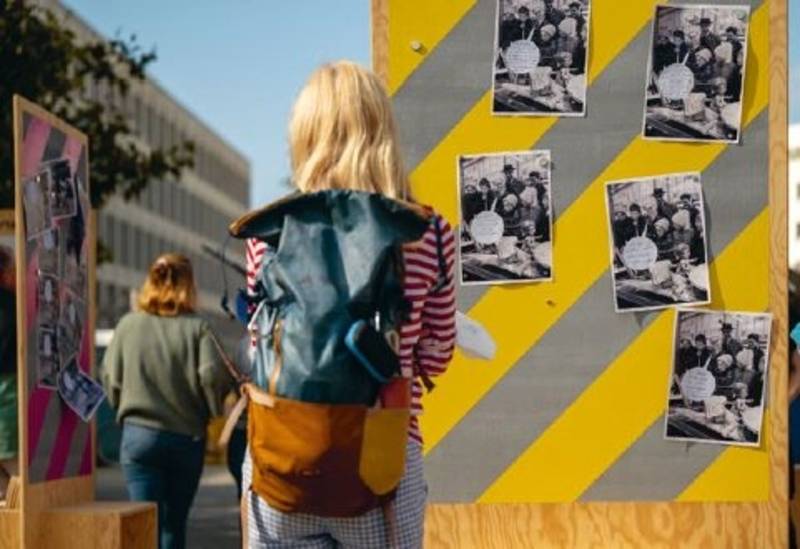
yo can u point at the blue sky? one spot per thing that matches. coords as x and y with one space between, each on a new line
239 64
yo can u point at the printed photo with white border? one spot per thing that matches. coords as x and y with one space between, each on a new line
657 241
541 55
696 73
718 379
505 217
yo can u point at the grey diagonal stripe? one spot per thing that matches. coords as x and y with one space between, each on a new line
37 471
77 444
597 139
447 85
40 460
570 356
654 469
456 74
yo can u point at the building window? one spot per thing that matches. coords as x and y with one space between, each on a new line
138 252
122 249
108 234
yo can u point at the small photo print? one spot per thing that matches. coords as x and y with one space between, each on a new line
63 198
506 217
48 299
49 357
718 378
74 274
658 242
36 204
50 252
71 324
695 78
541 54
79 391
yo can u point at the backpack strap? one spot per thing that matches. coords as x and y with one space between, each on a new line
444 279
237 376
232 420
441 282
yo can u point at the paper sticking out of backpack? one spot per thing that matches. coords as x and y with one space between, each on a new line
473 338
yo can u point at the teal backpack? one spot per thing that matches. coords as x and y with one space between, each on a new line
329 304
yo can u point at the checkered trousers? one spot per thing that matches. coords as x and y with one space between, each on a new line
272 529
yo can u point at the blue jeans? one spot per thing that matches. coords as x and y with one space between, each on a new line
163 467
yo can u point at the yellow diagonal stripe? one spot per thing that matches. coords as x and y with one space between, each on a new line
434 179
738 474
424 21
631 393
518 316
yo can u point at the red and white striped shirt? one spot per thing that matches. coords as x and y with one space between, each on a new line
428 338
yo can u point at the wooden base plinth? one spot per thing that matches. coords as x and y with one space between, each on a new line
100 525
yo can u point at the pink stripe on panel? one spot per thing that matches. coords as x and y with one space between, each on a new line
33 146
72 151
37 408
60 453
87 463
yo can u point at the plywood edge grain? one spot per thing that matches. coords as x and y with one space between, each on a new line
10 527
775 522
121 508
379 13
578 525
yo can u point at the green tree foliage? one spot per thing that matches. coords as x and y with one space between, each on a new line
43 60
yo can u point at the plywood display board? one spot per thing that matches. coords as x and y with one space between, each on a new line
559 441
55 259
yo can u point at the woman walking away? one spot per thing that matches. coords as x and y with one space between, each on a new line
353 192
164 377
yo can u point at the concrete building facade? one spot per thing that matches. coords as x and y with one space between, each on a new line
169 216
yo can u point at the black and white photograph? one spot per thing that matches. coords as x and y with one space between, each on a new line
74 273
718 378
696 73
37 204
79 391
48 299
540 57
49 252
74 249
63 199
48 358
505 218
658 242
70 325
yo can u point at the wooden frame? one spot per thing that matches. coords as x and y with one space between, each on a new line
753 524
37 498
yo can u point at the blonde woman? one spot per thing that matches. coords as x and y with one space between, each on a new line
164 377
342 135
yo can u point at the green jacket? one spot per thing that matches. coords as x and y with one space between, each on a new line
165 373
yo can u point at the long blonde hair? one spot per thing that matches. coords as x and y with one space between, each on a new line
342 134
169 289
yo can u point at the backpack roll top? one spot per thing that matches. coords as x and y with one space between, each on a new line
324 439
